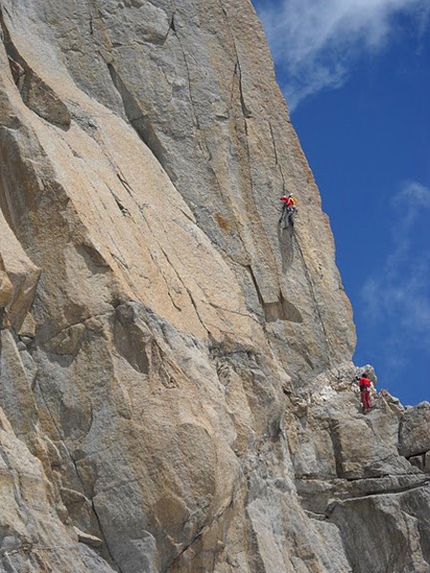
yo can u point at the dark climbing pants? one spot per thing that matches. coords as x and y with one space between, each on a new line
287 216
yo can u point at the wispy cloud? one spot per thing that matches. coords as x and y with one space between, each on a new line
315 42
411 199
399 296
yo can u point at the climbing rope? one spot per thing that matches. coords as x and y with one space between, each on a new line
312 291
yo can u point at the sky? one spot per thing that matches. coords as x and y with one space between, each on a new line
356 77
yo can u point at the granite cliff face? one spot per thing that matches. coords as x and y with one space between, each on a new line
176 382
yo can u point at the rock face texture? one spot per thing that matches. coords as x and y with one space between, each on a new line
176 388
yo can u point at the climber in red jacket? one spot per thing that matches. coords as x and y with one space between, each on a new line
365 384
288 200
288 209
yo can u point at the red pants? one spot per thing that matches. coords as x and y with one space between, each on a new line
365 399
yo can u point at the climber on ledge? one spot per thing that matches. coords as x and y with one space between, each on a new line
288 209
365 384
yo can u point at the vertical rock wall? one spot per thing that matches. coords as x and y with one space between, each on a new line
175 368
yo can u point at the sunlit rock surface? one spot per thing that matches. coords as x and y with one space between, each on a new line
176 383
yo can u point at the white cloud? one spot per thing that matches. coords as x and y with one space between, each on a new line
412 197
315 41
399 296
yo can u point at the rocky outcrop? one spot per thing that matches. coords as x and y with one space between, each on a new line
177 390
414 436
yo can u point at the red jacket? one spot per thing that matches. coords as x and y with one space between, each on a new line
365 382
287 200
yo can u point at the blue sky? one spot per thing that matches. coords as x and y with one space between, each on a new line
356 76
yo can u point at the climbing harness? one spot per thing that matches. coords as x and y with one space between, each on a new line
287 216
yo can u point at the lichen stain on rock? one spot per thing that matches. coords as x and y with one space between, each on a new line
223 223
